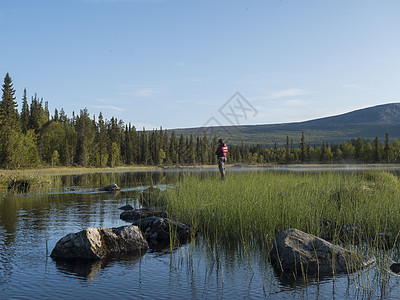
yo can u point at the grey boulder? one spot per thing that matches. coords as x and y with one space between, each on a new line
298 252
159 230
98 243
110 188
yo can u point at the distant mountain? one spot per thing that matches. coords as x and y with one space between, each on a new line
366 123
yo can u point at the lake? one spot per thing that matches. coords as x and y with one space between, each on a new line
31 224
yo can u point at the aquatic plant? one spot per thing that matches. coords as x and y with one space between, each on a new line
247 210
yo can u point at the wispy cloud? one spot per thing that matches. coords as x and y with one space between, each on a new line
110 107
294 92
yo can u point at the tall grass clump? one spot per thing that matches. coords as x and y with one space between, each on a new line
20 181
250 209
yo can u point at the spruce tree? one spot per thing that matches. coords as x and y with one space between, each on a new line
303 148
24 113
145 154
85 128
182 149
287 149
173 151
377 150
8 106
101 139
128 145
191 151
9 125
387 147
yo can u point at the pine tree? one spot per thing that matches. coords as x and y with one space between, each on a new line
323 151
135 145
214 146
85 128
287 149
377 150
145 154
191 151
9 125
55 117
128 145
182 149
386 149
173 151
38 115
63 116
101 137
359 148
24 113
303 148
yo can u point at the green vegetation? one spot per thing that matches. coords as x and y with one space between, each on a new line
251 208
23 181
244 213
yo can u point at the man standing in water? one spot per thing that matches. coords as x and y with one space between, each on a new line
221 153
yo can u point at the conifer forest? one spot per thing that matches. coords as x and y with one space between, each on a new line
32 136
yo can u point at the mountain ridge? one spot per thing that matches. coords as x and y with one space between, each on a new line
367 123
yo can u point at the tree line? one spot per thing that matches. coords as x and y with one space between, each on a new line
33 137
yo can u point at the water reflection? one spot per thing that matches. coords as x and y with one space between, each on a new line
31 224
88 270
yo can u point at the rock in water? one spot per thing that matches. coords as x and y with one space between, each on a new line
126 207
141 214
395 267
110 188
97 243
298 252
158 229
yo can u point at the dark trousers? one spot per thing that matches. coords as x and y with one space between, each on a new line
221 166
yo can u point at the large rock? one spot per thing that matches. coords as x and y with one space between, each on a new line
97 243
159 230
298 252
110 188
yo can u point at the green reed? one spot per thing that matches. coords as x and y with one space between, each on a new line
252 208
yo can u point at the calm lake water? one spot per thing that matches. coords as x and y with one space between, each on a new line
30 226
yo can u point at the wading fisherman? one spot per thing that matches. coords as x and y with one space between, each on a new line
221 153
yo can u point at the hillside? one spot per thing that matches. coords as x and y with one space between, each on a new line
366 123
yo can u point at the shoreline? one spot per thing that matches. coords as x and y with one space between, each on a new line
81 170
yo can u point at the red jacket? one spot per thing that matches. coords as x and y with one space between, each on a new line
222 150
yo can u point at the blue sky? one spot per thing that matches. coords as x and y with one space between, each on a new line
175 63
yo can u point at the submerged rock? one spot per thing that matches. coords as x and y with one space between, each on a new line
134 215
298 252
152 197
347 233
384 240
353 234
110 188
97 243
